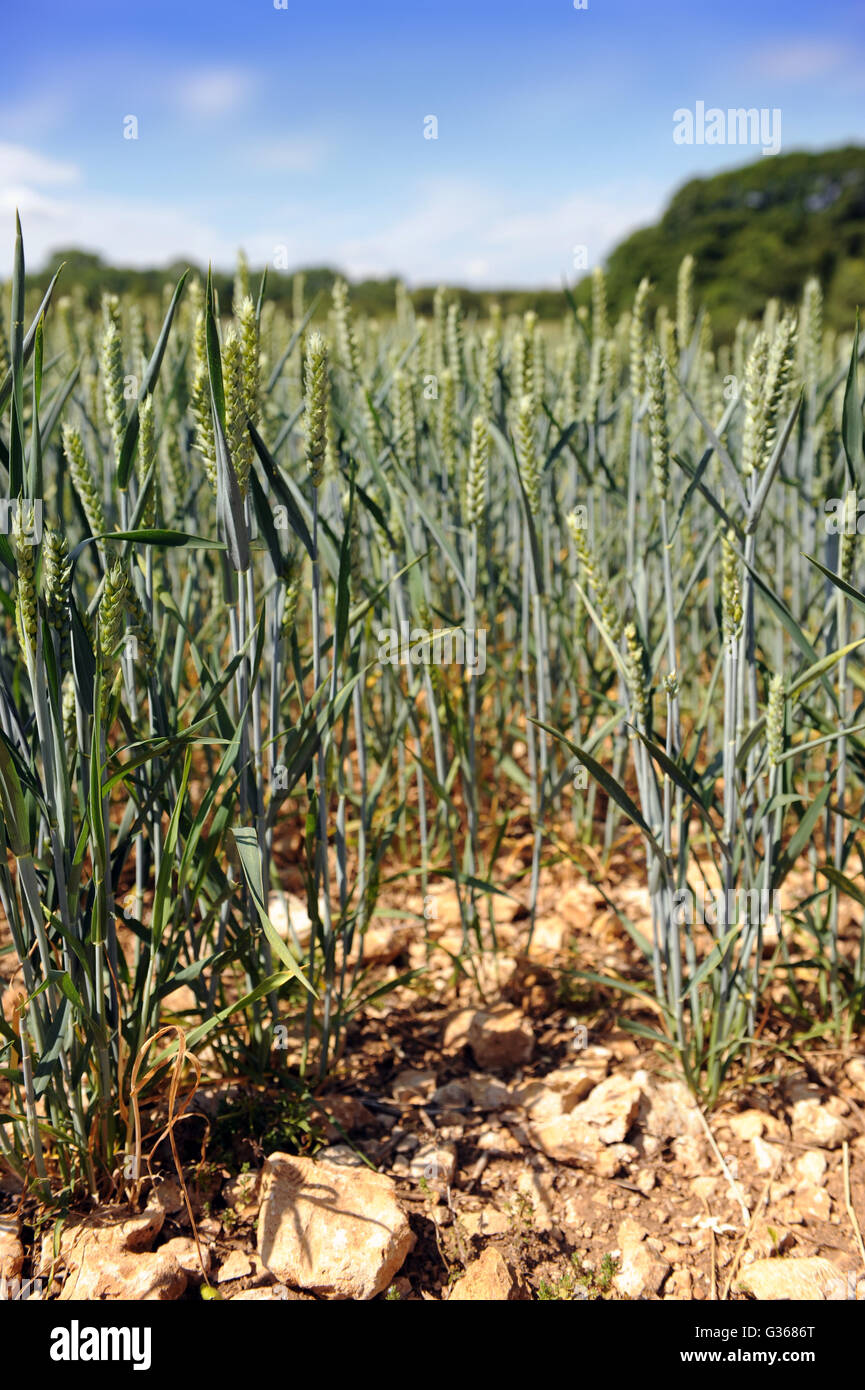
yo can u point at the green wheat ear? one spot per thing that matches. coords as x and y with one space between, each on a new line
684 302
315 413
292 598
405 421
241 280
754 428
26 601
70 713
447 427
600 325
849 537
598 584
527 453
57 580
775 720
178 481
146 456
779 370
490 364
520 367
476 484
656 374
345 340
731 592
635 670
250 358
239 442
811 334
598 363
637 337
205 443
141 628
112 384
84 481
570 399
437 345
539 366
455 344
112 607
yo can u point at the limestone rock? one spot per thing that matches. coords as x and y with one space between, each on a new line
454 1095
559 1091
817 1121
486 1093
534 989
813 1201
550 938
486 1280
381 943
111 1229
107 1274
11 1249
612 1107
810 1277
489 1221
856 1071
456 1032
668 1111
749 1124
185 1252
342 1154
578 906
347 1112
615 1159
413 1087
811 1167
641 1272
168 1195
330 1229
237 1265
435 1163
297 917
603 1119
501 1038
271 1293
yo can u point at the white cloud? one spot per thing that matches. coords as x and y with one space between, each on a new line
210 92
802 60
21 165
447 229
127 231
479 237
37 118
292 155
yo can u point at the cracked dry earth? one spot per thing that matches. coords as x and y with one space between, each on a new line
522 1148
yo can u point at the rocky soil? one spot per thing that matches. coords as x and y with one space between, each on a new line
517 1146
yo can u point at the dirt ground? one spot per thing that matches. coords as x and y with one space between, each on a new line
514 1112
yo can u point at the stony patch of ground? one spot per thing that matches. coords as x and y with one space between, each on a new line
494 1135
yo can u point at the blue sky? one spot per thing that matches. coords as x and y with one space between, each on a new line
299 132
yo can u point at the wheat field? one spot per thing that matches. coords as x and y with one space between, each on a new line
306 598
